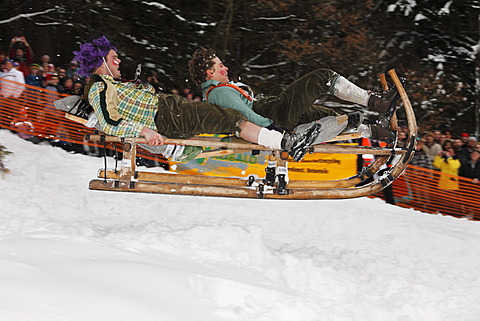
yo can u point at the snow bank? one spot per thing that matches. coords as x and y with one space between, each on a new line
68 253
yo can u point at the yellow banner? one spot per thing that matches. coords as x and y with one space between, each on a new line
317 166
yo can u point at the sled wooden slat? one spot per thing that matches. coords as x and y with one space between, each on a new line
242 147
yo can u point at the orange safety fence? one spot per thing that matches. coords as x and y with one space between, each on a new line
33 114
417 188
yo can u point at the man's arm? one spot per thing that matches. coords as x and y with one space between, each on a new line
227 97
154 138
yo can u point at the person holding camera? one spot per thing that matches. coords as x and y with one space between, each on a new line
21 52
448 163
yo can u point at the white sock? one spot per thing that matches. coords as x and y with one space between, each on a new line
270 138
346 90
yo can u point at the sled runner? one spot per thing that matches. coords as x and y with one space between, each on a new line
275 184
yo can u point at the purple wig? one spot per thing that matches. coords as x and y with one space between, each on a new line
91 54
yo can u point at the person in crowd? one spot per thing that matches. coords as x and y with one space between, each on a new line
35 76
438 137
3 57
448 164
7 88
429 146
47 73
12 85
21 52
44 59
421 158
464 137
78 87
458 145
33 94
187 93
133 110
295 105
471 167
464 153
68 86
53 84
72 70
447 144
448 135
62 74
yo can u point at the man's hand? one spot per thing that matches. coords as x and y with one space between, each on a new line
154 138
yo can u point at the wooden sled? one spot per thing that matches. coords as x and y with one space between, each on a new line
127 179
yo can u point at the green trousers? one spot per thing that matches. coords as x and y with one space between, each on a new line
294 105
179 118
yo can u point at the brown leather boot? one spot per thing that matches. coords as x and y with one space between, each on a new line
384 102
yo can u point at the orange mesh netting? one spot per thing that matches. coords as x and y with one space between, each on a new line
417 188
34 114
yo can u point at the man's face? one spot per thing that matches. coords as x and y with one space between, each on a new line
113 63
475 155
457 143
218 72
8 65
54 81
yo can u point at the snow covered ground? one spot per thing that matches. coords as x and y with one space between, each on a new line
71 254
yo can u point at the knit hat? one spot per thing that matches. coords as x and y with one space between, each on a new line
464 135
91 55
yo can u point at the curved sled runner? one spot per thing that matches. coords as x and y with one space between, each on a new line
128 180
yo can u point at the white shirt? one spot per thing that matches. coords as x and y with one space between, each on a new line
9 89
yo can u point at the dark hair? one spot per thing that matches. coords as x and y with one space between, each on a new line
446 142
201 61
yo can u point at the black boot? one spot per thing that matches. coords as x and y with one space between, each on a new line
384 103
355 119
382 134
297 144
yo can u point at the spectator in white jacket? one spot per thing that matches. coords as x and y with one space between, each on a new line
12 81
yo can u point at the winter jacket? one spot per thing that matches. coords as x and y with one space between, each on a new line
469 170
448 167
8 89
229 97
433 150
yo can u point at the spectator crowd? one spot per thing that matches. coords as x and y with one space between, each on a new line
452 155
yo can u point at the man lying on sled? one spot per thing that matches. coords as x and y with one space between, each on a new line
132 110
295 104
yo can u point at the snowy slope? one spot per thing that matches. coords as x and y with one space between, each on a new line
68 253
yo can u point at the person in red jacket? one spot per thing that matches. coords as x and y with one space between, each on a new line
21 52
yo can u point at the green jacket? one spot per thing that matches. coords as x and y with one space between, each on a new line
228 97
